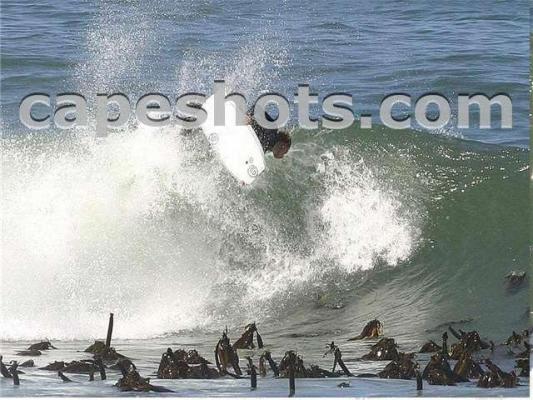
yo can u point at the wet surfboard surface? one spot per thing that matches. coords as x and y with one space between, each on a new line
237 146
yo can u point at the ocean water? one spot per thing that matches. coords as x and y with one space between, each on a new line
415 228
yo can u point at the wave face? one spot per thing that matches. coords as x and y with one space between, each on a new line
413 228
148 225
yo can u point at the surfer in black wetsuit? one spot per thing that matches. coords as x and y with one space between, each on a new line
275 140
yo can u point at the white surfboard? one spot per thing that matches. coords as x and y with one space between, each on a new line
237 146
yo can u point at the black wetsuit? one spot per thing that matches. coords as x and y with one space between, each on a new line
267 137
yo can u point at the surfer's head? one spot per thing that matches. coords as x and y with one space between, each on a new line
282 145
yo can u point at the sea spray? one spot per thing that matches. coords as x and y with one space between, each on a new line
148 225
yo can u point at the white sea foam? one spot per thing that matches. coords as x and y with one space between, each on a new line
365 224
145 224
86 231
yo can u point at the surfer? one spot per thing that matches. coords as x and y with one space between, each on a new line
275 140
